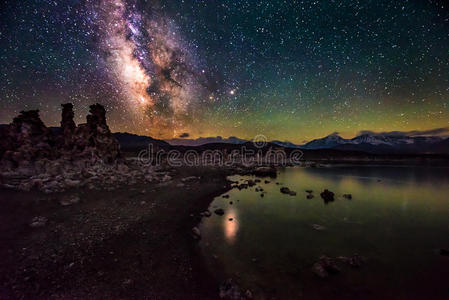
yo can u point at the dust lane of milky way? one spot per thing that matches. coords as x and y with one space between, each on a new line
292 70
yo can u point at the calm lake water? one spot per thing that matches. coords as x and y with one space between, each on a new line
397 219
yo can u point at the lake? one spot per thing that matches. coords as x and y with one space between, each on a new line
397 220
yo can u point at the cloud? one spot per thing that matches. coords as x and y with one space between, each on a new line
435 131
184 135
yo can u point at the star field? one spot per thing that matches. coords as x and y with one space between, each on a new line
292 70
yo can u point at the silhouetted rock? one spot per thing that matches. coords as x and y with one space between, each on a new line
94 140
34 157
67 124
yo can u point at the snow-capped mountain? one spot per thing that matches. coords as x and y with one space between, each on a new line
327 142
380 143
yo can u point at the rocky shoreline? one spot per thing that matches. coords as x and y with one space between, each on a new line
133 242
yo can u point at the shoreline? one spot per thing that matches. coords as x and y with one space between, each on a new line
133 242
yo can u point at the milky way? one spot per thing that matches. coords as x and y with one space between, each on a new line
291 70
152 65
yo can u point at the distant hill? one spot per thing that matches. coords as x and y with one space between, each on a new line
130 141
205 140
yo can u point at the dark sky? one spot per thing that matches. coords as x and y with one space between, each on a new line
292 70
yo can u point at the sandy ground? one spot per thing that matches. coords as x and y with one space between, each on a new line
133 242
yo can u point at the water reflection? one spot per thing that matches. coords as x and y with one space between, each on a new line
397 218
230 225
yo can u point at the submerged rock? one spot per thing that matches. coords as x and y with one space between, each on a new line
347 196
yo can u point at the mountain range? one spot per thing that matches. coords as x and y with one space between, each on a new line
367 142
382 143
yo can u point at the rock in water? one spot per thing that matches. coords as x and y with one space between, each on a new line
327 196
347 196
286 190
219 211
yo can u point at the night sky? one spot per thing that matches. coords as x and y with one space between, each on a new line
291 70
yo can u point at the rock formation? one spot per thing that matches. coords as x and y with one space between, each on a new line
93 140
34 157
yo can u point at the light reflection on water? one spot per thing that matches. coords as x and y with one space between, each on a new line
397 215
